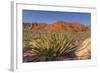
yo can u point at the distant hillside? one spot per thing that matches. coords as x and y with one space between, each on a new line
58 26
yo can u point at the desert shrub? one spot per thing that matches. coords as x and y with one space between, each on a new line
52 45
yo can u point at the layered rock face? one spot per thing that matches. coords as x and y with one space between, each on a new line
84 52
58 26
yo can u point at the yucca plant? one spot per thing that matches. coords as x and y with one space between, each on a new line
53 46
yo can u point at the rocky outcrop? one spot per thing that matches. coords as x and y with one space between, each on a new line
84 52
58 26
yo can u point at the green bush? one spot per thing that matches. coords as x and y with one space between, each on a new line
52 45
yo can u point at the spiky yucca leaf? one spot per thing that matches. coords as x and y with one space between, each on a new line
52 45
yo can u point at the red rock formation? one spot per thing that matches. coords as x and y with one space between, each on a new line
58 26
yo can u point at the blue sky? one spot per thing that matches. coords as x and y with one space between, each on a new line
30 16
